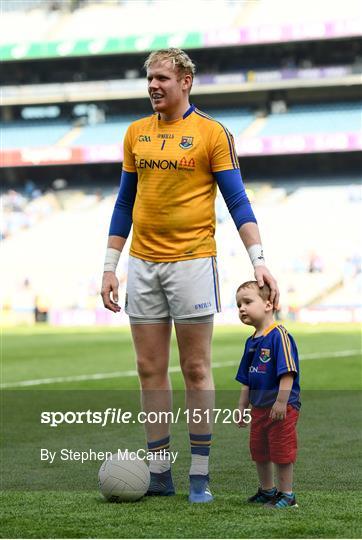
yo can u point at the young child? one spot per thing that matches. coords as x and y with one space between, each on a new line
269 373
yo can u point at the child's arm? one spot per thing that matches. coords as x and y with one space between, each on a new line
279 409
243 404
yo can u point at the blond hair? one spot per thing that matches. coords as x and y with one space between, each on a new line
263 292
179 59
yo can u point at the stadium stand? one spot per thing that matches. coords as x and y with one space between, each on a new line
99 20
20 134
317 118
285 12
348 295
320 268
277 75
91 19
114 129
110 132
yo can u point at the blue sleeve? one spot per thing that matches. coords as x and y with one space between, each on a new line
232 189
121 221
243 372
285 352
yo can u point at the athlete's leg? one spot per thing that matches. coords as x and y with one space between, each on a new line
194 342
152 346
191 288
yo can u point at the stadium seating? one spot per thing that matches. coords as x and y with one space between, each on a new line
23 135
318 248
338 117
287 12
348 295
317 269
104 19
25 26
236 120
114 129
110 132
315 119
310 231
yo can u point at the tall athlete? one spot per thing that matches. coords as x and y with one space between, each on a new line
173 162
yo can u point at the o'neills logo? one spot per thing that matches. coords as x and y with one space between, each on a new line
163 164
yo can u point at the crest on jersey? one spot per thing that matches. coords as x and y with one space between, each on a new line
186 142
264 355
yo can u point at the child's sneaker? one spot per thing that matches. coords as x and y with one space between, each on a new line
282 500
161 484
199 489
263 496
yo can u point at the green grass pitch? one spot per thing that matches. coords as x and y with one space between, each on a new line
41 501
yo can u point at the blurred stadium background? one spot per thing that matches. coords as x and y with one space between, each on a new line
284 77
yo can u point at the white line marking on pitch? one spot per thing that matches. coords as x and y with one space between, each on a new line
172 369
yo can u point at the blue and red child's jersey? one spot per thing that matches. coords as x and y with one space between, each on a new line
265 359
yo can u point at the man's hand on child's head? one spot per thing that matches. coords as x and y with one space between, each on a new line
278 411
262 275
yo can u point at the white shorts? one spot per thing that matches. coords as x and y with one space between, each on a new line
180 290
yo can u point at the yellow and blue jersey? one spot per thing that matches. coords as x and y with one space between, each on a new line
173 213
266 358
